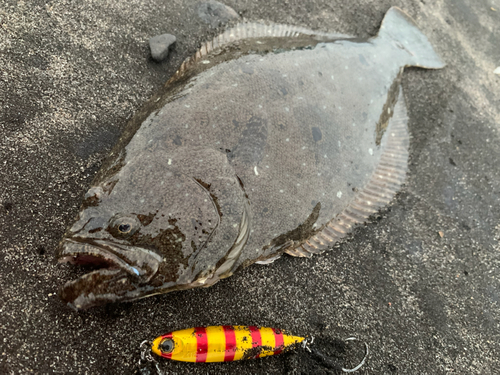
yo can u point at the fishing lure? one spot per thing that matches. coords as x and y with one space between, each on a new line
225 344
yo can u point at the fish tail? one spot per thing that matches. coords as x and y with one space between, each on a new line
404 33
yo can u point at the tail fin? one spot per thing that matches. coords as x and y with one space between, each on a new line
402 29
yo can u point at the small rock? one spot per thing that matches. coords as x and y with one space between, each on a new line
216 14
160 46
497 71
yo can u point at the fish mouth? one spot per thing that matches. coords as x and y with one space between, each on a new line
120 271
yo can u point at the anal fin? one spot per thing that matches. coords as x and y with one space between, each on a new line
384 183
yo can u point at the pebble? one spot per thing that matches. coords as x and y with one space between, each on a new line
160 46
216 14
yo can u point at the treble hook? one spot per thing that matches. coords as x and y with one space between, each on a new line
145 348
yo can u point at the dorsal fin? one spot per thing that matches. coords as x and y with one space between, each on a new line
247 31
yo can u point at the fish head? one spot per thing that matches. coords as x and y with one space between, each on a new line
142 233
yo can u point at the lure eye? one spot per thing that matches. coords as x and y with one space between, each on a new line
124 228
166 346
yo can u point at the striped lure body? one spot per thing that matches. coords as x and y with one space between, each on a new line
223 343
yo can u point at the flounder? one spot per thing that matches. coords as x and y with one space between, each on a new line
272 139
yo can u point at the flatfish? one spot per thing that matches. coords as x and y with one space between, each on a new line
272 139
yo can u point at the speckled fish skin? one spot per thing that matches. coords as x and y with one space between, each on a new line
247 153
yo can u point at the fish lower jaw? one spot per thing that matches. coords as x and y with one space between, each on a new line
105 280
95 288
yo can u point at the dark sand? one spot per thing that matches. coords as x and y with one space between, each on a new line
72 72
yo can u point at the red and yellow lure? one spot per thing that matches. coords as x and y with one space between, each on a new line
223 343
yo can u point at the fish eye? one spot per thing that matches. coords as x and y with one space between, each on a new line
124 228
166 346
123 225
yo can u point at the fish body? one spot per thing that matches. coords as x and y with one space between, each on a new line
223 343
272 139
